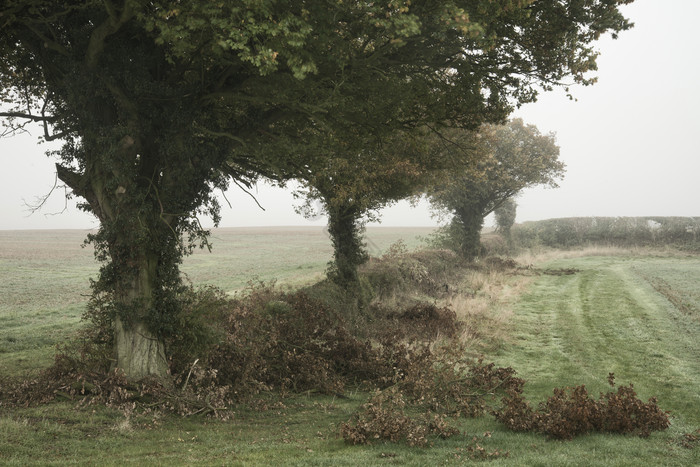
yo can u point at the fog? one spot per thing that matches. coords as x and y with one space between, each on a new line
630 142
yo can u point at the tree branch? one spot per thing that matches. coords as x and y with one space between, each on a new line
248 193
72 179
29 116
106 29
48 43
41 201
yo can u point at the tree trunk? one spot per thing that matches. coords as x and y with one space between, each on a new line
469 224
139 354
137 351
348 248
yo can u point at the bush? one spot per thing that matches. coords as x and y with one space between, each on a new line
198 327
287 342
571 412
384 418
400 272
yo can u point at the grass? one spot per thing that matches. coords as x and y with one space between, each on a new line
555 330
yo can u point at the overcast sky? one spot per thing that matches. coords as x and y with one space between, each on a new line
631 142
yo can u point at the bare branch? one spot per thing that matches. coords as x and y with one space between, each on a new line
223 193
41 200
248 193
47 136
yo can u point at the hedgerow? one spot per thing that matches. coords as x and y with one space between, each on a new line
679 232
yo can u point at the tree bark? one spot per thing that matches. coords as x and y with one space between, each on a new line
138 353
135 271
469 224
348 249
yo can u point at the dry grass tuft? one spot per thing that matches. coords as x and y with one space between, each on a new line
484 303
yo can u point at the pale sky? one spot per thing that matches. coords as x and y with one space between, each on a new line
631 142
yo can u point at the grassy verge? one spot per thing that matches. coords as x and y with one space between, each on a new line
573 329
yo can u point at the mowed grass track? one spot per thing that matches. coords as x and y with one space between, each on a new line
574 329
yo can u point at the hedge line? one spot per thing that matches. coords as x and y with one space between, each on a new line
681 232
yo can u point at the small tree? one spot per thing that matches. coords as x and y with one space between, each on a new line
507 158
505 217
358 181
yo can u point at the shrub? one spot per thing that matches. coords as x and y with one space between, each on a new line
291 342
426 271
426 320
571 412
383 418
198 327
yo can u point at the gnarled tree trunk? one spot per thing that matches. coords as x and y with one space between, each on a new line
140 251
138 352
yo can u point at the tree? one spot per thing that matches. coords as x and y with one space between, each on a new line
508 158
505 217
359 179
161 102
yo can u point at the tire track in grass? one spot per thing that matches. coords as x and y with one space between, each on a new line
575 329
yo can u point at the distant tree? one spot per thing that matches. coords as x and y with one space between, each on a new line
161 102
358 181
507 158
505 217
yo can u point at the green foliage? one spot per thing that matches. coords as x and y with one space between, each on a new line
160 103
505 217
362 177
197 329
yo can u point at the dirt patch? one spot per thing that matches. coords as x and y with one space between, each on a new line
560 271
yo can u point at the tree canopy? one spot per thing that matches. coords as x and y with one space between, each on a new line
161 102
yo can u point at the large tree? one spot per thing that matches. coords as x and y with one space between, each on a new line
159 102
507 159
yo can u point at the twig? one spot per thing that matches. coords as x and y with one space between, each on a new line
184 386
249 194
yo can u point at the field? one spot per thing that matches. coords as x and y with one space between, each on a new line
591 312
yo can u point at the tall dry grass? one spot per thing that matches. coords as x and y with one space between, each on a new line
538 256
484 302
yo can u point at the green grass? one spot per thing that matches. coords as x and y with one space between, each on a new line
612 315
575 329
